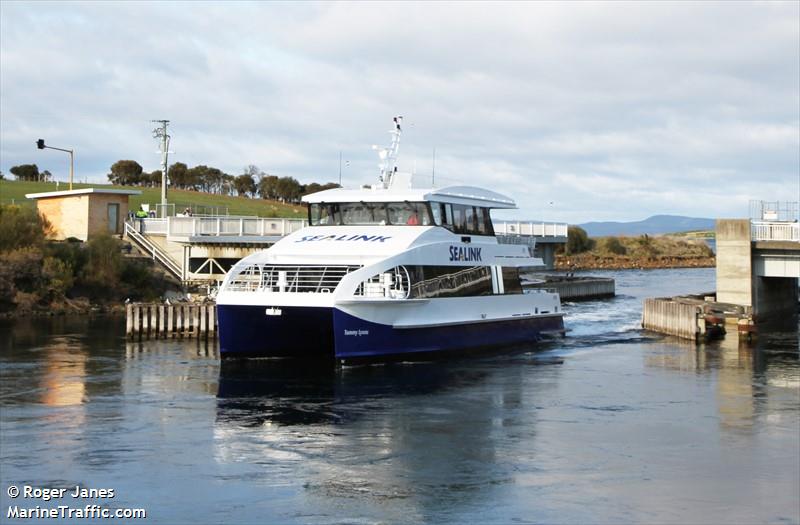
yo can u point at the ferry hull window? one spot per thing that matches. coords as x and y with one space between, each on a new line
511 283
451 281
429 282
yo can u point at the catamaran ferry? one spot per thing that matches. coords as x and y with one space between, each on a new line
386 271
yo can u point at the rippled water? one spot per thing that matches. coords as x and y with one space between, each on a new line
609 425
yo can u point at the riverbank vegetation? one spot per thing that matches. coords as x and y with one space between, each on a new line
42 276
644 251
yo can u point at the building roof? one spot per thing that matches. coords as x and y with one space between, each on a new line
83 191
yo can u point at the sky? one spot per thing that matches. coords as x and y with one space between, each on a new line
580 111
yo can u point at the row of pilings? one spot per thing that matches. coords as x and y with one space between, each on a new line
178 320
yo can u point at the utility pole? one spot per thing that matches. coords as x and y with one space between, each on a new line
161 133
340 168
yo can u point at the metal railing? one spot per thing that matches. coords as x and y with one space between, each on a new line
288 279
185 227
774 231
151 249
536 229
774 211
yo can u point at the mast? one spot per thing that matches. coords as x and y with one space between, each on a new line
388 156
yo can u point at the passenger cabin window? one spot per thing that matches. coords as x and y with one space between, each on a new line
370 213
459 218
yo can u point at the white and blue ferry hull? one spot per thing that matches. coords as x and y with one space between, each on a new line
340 333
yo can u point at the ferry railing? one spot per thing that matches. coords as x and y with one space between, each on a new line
774 231
535 229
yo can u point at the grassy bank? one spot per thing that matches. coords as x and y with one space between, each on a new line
639 252
14 192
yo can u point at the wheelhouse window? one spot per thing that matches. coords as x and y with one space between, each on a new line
460 218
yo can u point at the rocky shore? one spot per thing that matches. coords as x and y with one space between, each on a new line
589 261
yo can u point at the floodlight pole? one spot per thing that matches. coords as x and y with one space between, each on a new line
41 145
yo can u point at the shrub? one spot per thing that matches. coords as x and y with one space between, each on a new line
58 277
613 245
577 240
21 227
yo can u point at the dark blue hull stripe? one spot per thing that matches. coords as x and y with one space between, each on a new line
329 332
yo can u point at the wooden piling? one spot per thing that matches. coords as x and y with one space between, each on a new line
171 320
128 320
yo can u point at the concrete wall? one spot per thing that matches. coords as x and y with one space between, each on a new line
734 262
68 215
98 212
774 296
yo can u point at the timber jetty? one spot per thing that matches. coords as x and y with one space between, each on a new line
178 320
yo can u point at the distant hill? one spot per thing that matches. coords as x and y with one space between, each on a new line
657 224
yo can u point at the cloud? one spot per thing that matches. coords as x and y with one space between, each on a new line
607 110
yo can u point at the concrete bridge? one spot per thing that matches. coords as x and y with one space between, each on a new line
203 249
758 265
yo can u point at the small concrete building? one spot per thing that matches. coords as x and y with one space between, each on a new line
84 213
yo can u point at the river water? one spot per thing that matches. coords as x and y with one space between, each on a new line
609 425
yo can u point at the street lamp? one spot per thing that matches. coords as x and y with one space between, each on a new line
40 145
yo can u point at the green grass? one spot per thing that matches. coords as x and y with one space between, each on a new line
14 191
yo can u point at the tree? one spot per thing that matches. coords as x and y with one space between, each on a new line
244 184
125 173
268 187
29 172
288 189
153 178
45 176
178 175
2 177
577 240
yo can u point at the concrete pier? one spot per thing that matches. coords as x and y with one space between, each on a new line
577 288
757 268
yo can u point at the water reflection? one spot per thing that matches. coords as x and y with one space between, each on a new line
428 434
748 375
64 375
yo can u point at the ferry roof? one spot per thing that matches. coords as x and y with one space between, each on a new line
470 195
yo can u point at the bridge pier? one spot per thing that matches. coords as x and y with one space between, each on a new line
759 274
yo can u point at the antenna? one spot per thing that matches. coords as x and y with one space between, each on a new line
161 133
388 156
433 169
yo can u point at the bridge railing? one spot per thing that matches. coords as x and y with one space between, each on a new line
774 231
185 227
537 229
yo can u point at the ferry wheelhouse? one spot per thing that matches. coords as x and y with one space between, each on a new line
386 271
